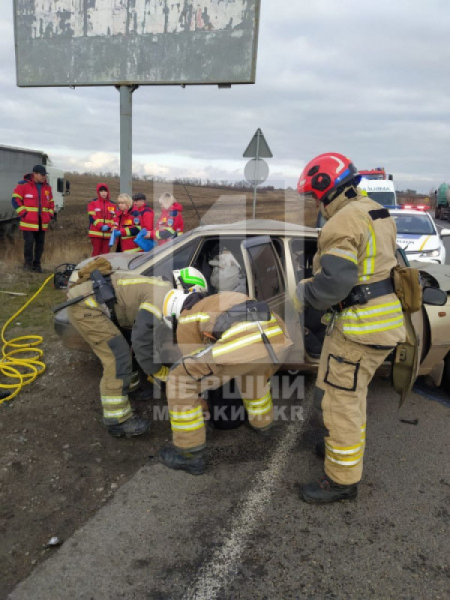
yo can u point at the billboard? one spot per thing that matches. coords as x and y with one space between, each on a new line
145 42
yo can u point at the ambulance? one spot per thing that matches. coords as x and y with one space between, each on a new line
380 190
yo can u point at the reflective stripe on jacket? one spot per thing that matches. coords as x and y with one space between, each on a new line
170 224
31 206
242 342
101 212
357 245
129 225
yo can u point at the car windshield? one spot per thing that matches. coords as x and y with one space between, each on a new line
143 257
415 224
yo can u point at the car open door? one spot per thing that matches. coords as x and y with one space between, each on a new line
405 366
406 360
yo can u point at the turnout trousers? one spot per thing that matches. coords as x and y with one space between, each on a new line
345 371
195 374
114 353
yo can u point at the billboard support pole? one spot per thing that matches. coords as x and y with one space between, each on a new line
126 133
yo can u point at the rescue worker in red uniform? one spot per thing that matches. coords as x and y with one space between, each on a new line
101 213
352 279
137 304
170 224
33 202
126 225
217 347
145 214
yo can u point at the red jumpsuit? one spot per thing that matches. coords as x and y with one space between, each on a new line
101 214
129 225
170 224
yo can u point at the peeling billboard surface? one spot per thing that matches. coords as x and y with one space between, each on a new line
110 42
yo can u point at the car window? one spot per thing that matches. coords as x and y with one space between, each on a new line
267 276
179 259
279 248
414 224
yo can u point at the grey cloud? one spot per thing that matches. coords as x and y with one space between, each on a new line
367 79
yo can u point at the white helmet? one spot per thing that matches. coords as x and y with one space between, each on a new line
190 280
173 303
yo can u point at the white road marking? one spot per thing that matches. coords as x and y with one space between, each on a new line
216 572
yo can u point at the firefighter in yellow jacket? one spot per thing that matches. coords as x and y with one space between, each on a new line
223 336
352 280
136 304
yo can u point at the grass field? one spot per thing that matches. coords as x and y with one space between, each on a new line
69 242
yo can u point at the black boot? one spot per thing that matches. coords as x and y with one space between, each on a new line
326 491
192 462
130 428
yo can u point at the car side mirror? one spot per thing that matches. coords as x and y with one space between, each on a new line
445 232
434 296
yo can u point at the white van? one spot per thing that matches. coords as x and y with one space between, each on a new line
381 190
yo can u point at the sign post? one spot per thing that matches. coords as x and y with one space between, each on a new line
256 170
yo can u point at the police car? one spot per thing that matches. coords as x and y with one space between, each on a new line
418 236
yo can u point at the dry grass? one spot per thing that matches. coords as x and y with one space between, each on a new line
69 242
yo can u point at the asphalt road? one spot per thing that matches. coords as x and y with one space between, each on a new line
240 531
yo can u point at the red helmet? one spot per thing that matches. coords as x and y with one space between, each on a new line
325 173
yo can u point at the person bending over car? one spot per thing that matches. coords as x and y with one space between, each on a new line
223 336
109 300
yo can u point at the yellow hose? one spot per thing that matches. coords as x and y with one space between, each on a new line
22 345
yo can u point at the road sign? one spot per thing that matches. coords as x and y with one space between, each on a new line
258 147
122 42
256 171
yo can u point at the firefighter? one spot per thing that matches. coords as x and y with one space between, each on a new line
137 303
218 343
170 223
352 280
101 213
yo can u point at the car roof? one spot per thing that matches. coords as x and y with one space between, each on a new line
254 225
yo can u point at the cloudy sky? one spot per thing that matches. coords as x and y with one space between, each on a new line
369 79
